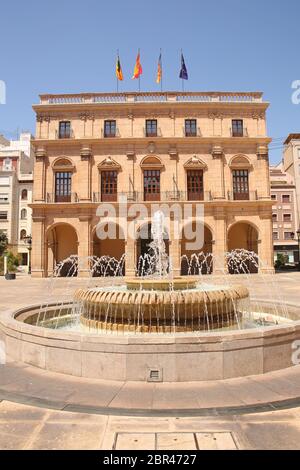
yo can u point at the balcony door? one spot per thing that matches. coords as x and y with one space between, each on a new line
109 186
151 185
240 185
63 185
195 185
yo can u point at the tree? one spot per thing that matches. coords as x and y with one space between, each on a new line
3 242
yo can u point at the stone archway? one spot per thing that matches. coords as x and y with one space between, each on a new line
143 240
62 244
109 253
242 237
200 260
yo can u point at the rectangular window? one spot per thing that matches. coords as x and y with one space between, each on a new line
288 235
63 182
110 129
195 185
237 128
64 130
190 128
109 186
286 198
151 185
275 235
3 215
4 180
274 217
240 185
3 197
151 128
287 217
273 197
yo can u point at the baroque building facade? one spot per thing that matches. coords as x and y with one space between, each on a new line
150 148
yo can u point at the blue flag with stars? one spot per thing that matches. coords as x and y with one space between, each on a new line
183 71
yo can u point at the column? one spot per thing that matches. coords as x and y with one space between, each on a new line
39 185
265 244
220 241
84 184
218 177
84 245
175 249
130 261
38 254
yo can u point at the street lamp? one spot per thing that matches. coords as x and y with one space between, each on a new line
298 236
28 241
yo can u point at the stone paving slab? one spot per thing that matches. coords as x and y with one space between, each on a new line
26 427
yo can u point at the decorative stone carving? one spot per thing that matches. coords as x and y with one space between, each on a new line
217 151
195 163
109 164
151 147
85 152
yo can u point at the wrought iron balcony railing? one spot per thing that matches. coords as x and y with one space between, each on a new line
53 198
150 134
242 196
163 196
191 133
64 135
110 134
239 132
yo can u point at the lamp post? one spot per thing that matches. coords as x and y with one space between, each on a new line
28 241
298 236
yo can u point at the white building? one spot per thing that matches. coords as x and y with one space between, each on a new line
291 161
16 181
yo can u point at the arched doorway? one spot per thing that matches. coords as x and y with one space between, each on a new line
144 238
62 242
242 248
108 253
200 260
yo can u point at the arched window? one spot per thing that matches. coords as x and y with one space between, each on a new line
22 234
63 169
24 194
151 167
23 214
240 168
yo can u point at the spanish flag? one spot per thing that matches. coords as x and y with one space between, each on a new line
119 73
137 68
159 70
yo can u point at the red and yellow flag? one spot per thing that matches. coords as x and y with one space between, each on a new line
137 68
119 73
159 70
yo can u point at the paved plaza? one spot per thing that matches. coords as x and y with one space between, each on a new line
44 410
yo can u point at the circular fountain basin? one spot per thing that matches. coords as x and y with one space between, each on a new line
184 357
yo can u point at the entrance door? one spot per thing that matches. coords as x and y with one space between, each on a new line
151 185
195 185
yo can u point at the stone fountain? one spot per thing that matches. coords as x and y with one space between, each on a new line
160 303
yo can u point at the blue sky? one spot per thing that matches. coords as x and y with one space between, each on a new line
70 46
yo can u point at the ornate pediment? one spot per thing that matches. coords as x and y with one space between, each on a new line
195 163
151 161
109 164
240 162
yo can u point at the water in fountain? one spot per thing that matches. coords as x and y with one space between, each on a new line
158 302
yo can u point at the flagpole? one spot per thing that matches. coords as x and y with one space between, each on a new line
161 80
139 73
116 74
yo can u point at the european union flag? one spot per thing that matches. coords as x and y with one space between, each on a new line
183 71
